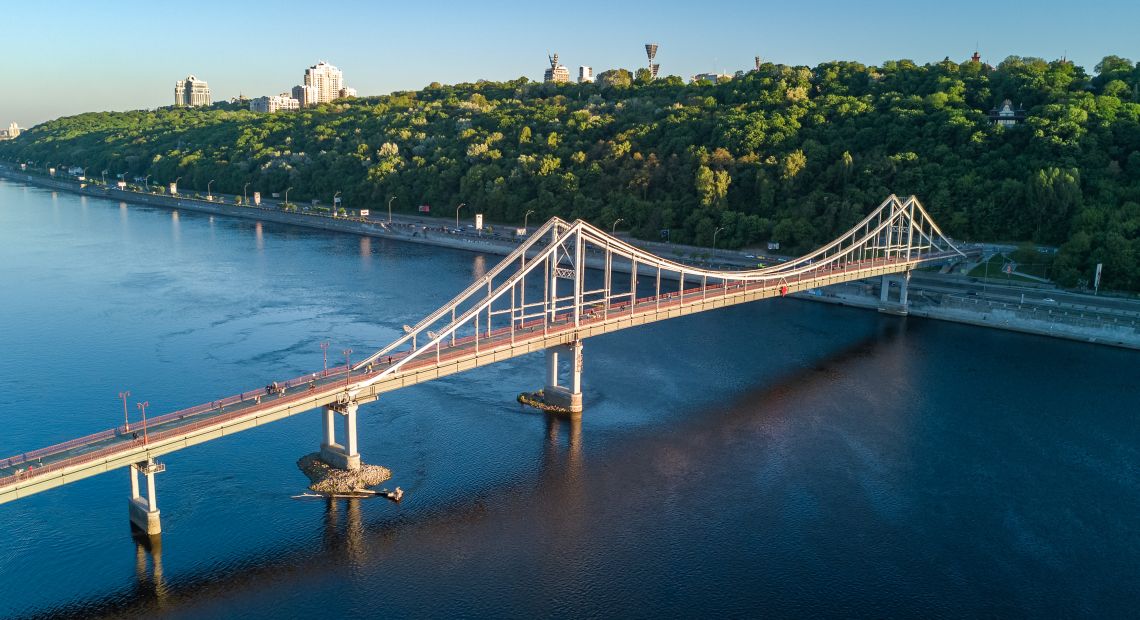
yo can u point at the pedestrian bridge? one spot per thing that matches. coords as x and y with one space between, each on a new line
567 282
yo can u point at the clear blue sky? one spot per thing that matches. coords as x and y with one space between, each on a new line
65 57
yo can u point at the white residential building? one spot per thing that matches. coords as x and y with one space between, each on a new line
585 74
191 92
323 83
274 103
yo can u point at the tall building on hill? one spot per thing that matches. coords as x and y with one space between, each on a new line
13 131
323 83
191 92
585 74
556 72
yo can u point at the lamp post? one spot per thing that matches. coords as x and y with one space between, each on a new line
287 197
175 184
142 406
104 175
146 182
347 367
526 216
390 209
613 229
126 419
715 232
244 195
461 205
209 194
325 353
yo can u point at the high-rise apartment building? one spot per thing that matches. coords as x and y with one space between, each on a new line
12 132
323 83
191 92
585 74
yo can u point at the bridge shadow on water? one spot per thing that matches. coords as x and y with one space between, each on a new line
569 484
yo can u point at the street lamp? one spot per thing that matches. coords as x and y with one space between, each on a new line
142 406
146 182
526 216
175 184
715 232
126 419
325 352
209 195
244 195
390 209
347 366
461 205
613 230
287 197
104 175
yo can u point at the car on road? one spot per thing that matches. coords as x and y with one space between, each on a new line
1048 300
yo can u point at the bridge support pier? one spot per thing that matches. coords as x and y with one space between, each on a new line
569 396
340 456
886 304
144 510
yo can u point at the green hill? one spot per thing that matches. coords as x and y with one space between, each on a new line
790 154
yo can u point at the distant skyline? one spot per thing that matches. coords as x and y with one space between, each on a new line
68 57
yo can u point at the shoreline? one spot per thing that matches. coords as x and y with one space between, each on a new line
994 315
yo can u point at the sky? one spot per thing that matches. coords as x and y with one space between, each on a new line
67 57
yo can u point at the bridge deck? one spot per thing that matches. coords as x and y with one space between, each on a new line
53 466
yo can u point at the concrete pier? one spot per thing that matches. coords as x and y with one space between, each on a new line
570 396
143 511
886 304
340 456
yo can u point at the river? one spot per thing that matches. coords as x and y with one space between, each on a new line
784 458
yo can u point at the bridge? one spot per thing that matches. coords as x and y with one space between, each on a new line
567 282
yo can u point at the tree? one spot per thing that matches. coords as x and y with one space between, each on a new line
615 78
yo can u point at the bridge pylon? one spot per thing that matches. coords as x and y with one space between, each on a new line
899 305
144 510
337 455
568 397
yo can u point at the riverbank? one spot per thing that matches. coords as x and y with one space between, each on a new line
1033 319
929 298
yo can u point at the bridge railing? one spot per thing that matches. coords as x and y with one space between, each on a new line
148 433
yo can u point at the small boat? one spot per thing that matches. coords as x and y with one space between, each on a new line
395 496
350 495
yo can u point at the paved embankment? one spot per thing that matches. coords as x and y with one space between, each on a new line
1027 318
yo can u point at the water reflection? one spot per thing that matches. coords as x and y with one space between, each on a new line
366 252
478 266
175 228
351 540
258 236
150 583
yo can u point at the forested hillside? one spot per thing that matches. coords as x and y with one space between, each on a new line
790 154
